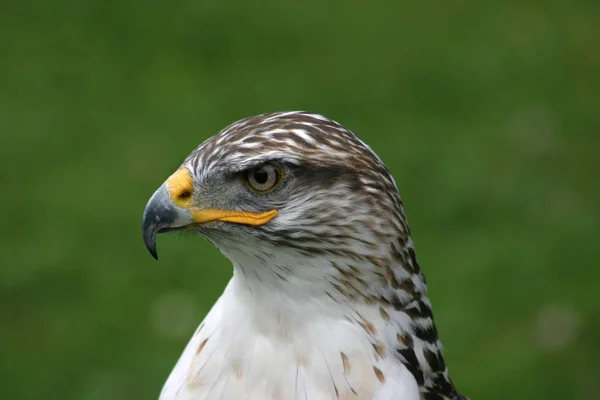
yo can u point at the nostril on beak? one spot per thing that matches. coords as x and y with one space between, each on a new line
180 186
186 194
183 198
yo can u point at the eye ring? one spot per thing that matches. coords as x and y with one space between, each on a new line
264 179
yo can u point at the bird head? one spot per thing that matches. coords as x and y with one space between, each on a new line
283 189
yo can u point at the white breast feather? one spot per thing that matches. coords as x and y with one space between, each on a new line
253 353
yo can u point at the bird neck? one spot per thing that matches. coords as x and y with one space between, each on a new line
341 275
386 297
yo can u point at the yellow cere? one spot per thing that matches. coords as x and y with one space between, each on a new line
180 186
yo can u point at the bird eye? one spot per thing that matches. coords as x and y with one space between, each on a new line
264 178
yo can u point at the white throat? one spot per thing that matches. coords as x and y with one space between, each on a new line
277 333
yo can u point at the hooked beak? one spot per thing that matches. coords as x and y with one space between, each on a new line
170 208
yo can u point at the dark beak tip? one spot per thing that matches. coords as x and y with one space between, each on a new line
149 234
158 217
151 246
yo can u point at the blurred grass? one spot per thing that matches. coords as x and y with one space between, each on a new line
486 112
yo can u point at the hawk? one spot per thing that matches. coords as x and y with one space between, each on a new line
327 299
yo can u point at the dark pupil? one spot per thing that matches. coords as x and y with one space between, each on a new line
261 176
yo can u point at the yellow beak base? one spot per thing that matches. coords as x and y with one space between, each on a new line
246 218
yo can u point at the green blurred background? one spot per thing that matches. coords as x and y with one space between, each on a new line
487 113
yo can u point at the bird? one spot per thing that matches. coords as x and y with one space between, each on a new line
327 300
